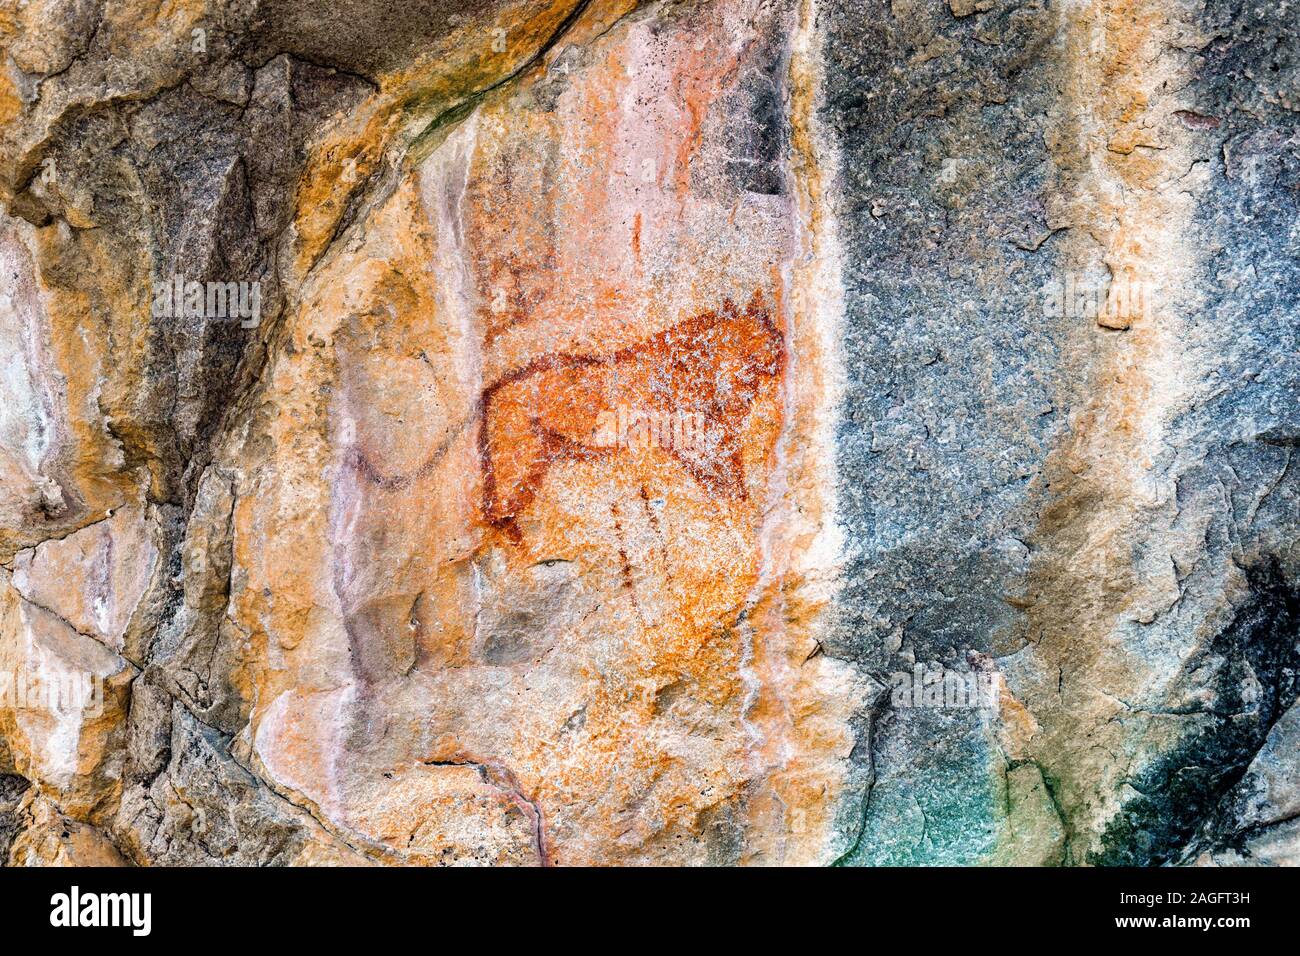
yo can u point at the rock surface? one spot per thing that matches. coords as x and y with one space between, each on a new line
597 431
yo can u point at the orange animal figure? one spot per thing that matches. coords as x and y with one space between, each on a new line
715 365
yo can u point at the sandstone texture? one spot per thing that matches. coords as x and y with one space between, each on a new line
588 432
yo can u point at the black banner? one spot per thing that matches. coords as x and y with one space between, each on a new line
942 906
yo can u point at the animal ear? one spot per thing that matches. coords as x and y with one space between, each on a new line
757 304
728 307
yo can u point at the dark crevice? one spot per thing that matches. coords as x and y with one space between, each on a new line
1251 667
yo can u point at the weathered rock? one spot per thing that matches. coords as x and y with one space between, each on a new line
601 431
48 838
202 807
63 707
1092 497
12 821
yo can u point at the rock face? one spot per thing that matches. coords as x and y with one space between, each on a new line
594 431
